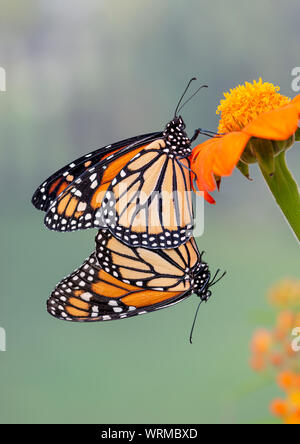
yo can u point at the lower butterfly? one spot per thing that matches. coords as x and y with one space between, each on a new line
117 281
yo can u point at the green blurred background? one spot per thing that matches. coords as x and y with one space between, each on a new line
82 74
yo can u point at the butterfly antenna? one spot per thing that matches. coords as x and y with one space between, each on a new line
194 321
193 95
184 92
214 280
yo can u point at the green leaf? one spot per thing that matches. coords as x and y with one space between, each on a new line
264 151
297 135
244 169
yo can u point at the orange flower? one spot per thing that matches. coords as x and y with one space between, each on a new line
253 117
279 407
288 410
286 380
274 347
261 341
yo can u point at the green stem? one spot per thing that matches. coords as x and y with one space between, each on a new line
285 191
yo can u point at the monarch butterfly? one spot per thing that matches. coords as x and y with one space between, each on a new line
139 188
117 281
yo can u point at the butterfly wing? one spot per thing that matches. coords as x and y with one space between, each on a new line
77 206
149 203
50 189
163 270
91 294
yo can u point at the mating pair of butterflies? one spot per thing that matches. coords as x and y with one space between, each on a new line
138 193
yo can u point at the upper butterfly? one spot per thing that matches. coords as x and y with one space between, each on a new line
140 189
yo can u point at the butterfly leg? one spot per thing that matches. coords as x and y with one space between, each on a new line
204 132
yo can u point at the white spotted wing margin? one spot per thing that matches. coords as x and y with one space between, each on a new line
49 190
74 208
90 294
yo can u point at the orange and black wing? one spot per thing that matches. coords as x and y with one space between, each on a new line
91 294
51 188
149 203
163 270
77 206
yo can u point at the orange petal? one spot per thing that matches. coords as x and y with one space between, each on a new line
217 156
228 152
203 194
201 163
296 102
278 124
209 198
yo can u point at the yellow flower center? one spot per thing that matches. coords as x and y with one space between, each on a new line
246 102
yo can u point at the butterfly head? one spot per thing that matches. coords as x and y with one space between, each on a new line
176 138
201 281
